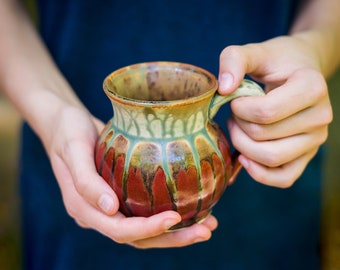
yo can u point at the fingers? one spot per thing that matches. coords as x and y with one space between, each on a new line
79 158
281 176
279 133
270 62
296 124
91 201
142 232
117 227
275 153
277 162
183 237
296 107
127 230
73 146
137 231
235 62
296 95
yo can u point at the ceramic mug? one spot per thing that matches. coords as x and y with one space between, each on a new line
162 150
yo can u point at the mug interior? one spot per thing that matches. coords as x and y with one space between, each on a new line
160 81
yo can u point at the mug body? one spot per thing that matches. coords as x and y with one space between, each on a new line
161 151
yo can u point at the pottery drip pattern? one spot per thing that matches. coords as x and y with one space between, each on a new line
171 174
148 124
162 150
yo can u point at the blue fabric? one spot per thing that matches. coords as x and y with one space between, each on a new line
260 227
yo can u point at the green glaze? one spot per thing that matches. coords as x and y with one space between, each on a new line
162 150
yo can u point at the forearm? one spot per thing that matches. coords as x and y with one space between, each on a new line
28 75
318 24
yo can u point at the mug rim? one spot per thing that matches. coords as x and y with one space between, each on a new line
211 89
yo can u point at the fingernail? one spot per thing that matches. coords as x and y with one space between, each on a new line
225 82
106 203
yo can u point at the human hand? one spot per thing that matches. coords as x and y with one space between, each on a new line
91 201
277 134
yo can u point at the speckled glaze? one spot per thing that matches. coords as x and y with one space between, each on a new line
161 150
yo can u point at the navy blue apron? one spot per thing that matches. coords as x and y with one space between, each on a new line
260 227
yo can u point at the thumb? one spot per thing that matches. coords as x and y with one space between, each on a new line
87 181
235 62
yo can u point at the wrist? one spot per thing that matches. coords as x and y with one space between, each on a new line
43 109
322 47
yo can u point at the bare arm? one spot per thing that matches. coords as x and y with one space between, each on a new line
318 24
28 75
33 83
280 133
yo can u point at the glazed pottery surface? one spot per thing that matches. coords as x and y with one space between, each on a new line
162 150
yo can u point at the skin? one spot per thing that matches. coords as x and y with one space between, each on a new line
277 135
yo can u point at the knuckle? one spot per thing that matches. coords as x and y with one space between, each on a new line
323 137
319 137
71 212
231 51
67 148
323 119
81 224
271 159
266 114
262 177
319 85
317 88
120 239
234 53
81 186
289 175
256 132
283 180
326 116
286 183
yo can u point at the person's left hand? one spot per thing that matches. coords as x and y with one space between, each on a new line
92 203
277 134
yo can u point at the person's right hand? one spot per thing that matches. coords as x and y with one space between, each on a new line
278 134
91 201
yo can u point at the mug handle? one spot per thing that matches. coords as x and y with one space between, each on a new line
247 88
